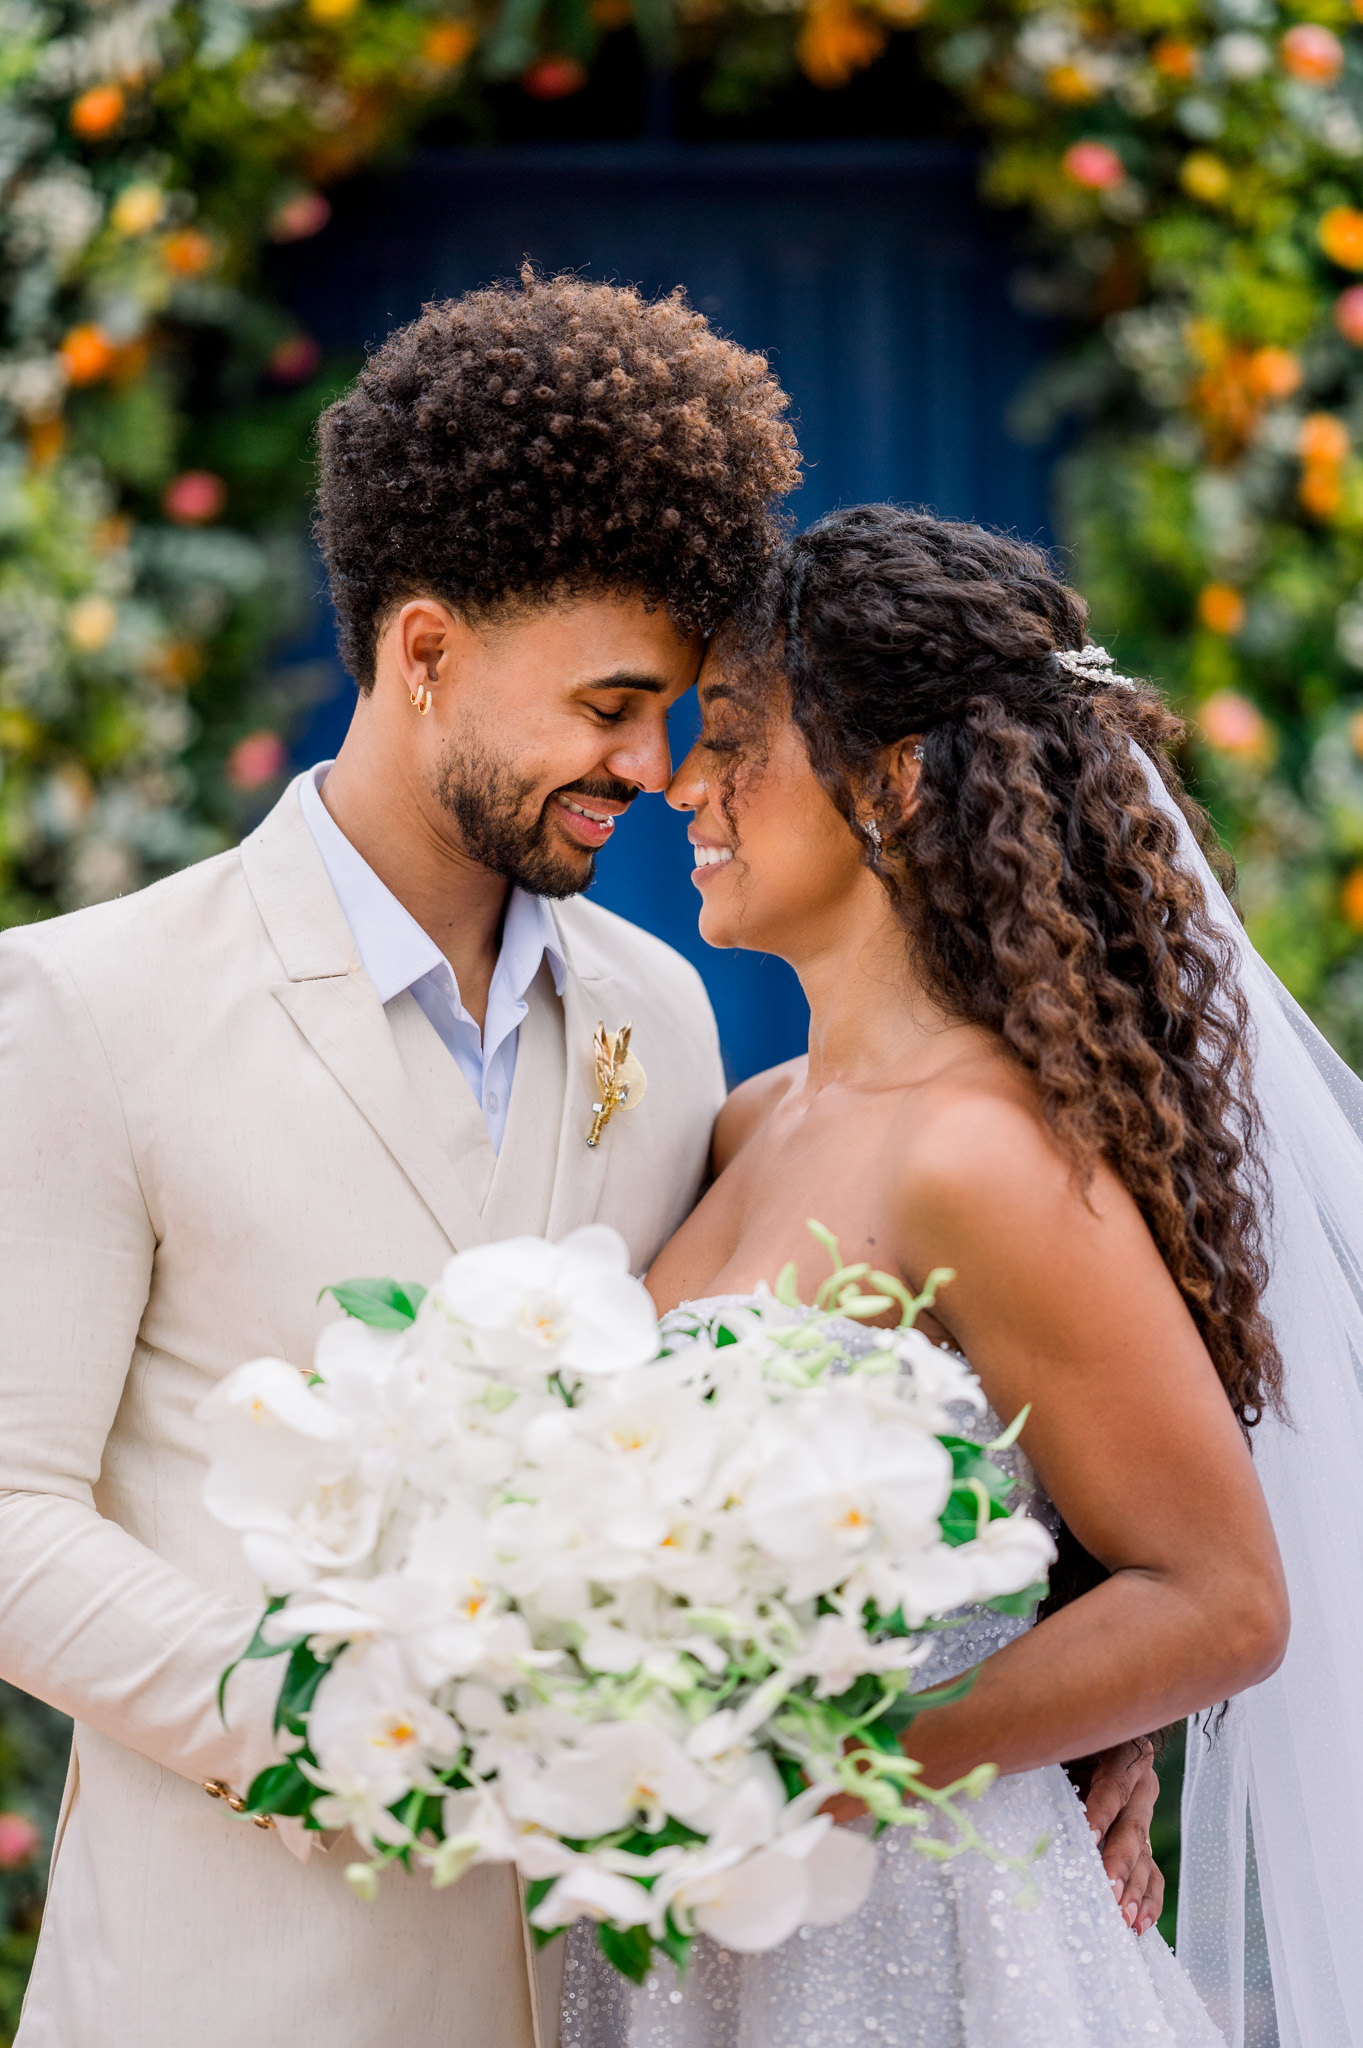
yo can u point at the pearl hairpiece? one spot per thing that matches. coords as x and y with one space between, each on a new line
1092 664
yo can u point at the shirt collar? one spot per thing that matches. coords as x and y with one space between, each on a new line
394 950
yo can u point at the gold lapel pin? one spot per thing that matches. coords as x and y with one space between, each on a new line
620 1080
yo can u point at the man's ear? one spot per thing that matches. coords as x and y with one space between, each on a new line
901 766
424 637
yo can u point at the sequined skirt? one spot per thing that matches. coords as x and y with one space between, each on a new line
940 1956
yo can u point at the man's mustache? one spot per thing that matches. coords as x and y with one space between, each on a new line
603 787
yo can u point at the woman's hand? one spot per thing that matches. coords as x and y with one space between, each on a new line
1120 1804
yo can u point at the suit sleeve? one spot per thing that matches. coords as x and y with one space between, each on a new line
91 1620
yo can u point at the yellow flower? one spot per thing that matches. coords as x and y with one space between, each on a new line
138 208
91 623
1204 176
332 10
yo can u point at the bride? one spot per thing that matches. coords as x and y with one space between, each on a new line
1027 1062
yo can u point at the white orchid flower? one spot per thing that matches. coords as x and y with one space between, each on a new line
616 1773
572 1307
586 1891
369 1725
833 1482
839 1651
284 1469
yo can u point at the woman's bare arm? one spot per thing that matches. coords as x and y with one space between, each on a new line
1062 1300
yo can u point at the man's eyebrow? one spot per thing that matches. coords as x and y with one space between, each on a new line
627 679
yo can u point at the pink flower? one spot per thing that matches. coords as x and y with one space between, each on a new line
1233 724
554 78
294 360
1349 314
19 1837
1093 165
256 760
195 497
305 214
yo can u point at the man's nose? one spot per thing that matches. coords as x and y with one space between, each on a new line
643 756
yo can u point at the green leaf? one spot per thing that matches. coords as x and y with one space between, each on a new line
1020 1603
676 1944
724 1335
257 1647
280 1788
904 1711
383 1304
301 1680
630 1949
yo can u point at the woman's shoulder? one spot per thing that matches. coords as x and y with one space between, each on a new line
749 1105
973 1150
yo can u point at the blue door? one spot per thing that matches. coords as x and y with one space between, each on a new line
868 273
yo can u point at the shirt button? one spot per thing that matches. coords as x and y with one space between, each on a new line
493 1104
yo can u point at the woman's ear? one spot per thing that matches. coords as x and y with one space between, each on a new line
901 766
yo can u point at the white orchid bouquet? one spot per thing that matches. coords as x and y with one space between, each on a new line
619 1602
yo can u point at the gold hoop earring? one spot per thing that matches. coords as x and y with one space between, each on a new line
422 699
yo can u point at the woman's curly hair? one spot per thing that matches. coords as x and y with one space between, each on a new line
1038 878
551 435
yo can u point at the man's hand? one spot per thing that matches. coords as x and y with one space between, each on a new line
1120 1804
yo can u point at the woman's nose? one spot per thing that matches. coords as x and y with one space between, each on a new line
687 789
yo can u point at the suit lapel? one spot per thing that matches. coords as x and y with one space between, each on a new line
581 1176
332 1002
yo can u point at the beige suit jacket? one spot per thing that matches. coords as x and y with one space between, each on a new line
206 1115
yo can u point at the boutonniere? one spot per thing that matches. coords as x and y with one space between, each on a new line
620 1080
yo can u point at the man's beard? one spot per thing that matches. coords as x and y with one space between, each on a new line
489 802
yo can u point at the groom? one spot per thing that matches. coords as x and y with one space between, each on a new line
361 1040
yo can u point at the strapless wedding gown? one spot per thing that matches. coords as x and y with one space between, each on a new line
939 1956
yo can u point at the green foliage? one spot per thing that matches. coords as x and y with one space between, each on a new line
34 1744
383 1304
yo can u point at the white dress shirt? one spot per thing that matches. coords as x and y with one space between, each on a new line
397 954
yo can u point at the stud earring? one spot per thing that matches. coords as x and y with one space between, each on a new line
918 752
422 699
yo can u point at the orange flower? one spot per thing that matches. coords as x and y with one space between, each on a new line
1071 86
1321 490
97 112
1094 166
1221 608
1175 59
88 354
46 439
188 252
1351 900
175 663
1273 372
1312 53
836 41
1340 235
450 42
1323 440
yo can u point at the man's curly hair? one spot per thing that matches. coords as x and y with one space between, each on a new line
551 436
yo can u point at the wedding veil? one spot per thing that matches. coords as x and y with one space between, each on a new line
1269 1899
